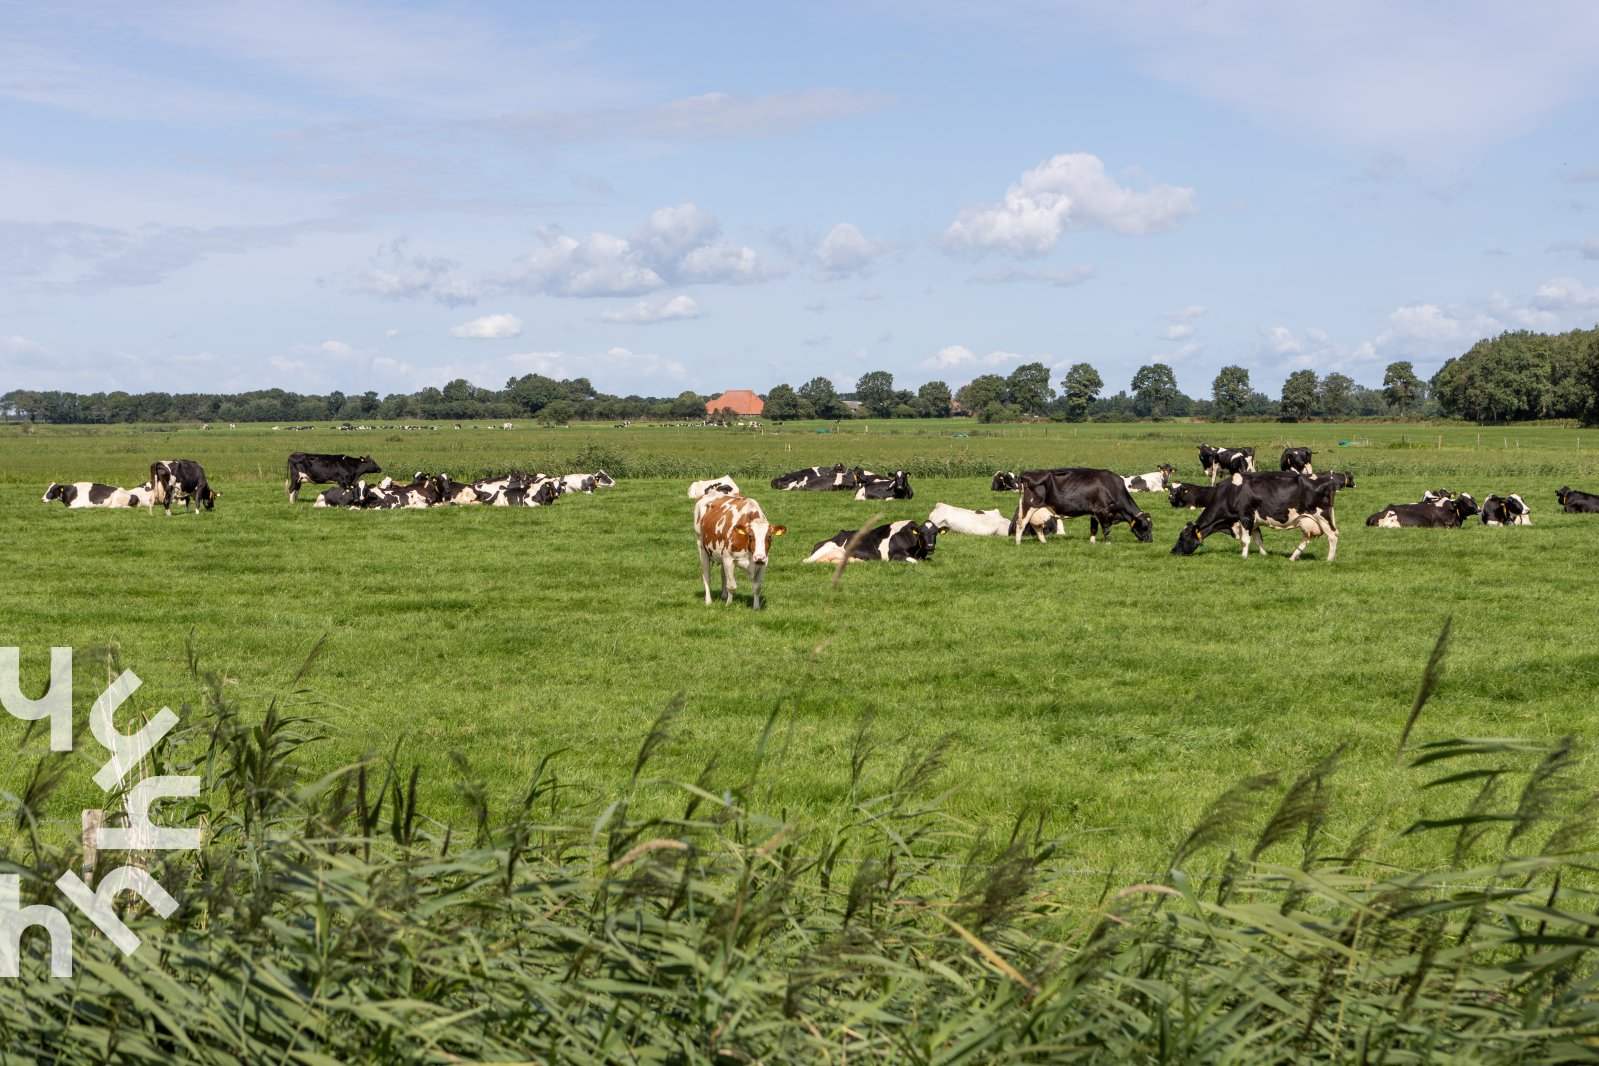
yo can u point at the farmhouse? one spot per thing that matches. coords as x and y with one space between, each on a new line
743 402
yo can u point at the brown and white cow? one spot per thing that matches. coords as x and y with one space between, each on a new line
734 530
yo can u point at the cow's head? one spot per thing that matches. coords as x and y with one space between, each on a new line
368 465
1187 541
925 533
1179 494
208 497
603 480
1562 494
1348 477
1004 481
1516 505
758 532
546 493
1143 527
1464 506
55 492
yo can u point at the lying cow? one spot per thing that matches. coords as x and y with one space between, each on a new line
897 542
1154 481
814 479
179 480
77 495
339 496
1444 514
1297 460
1072 492
584 483
1509 510
995 523
1219 461
699 488
733 530
1575 501
1193 497
1274 500
873 487
312 468
1437 497
1005 481
522 492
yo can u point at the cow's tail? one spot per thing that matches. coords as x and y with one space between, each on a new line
158 487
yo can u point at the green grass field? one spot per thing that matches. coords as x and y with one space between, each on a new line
1115 688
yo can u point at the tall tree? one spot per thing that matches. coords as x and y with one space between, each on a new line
1401 386
984 396
875 390
1230 391
1080 388
782 403
1029 389
1337 392
935 399
823 398
1299 394
1155 392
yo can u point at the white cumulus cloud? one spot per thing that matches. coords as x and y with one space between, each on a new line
654 309
393 274
488 328
1067 191
846 251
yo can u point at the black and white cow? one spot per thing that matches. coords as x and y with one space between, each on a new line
1340 479
897 542
312 468
77 495
700 488
1509 510
1219 461
815 479
1442 514
874 487
1437 497
1193 497
1154 481
602 480
1071 492
1575 501
339 496
994 523
174 480
1271 499
1005 481
1297 460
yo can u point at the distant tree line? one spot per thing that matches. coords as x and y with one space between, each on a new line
1514 376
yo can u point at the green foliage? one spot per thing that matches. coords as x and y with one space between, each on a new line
823 398
1155 392
1079 389
1402 388
934 400
1521 375
875 390
1299 394
1028 388
1230 392
1335 395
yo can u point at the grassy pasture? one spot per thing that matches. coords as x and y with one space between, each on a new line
1115 688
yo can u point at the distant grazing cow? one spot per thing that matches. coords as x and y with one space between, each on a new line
897 487
1193 497
1575 501
994 523
1154 481
179 480
1005 481
77 495
1072 492
699 488
311 468
1509 510
1297 460
896 542
814 479
732 530
1219 461
1444 514
1274 500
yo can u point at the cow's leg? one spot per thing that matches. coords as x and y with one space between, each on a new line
1307 530
1021 502
705 573
729 581
757 573
1330 531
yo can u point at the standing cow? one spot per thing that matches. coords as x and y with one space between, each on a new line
733 530
1072 492
1275 500
1297 460
179 480
312 468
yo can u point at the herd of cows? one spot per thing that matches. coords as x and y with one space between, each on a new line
733 531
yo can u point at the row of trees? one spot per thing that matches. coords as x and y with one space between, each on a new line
1521 375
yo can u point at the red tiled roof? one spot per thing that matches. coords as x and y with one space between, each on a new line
742 401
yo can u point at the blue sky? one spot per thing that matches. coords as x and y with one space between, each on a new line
220 196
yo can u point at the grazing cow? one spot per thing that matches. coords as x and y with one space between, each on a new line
989 523
1193 497
1072 492
1219 461
700 488
1443 514
1509 510
311 468
1342 480
179 479
80 494
815 479
1575 501
1154 481
733 530
896 542
1272 499
897 487
1005 481
1297 460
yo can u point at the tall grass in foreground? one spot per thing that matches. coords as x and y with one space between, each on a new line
331 921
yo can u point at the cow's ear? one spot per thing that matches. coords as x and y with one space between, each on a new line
778 531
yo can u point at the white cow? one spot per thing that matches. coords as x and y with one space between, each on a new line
699 488
80 494
995 523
